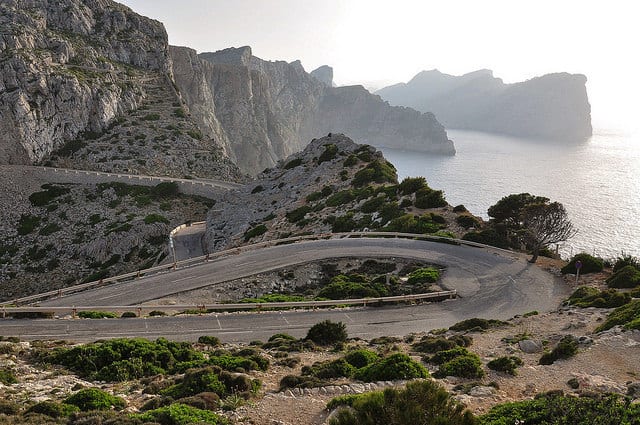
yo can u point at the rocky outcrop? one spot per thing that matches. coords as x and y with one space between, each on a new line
554 106
333 185
324 74
269 110
63 70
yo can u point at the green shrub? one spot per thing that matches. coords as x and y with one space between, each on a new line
373 205
298 214
591 297
411 185
460 209
53 409
327 333
421 402
71 147
181 414
468 366
340 198
410 223
9 408
442 357
258 230
487 237
345 287
50 229
467 221
625 277
51 192
566 348
429 198
477 324
294 381
330 369
151 117
212 341
361 358
623 315
590 264
281 336
155 313
431 344
7 377
94 399
350 161
330 152
97 315
128 314
155 218
257 189
396 366
424 275
506 364
27 224
626 260
559 409
197 381
377 171
165 190
293 163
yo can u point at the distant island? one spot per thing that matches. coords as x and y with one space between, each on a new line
553 106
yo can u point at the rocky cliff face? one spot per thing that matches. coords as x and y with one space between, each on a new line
88 84
554 106
63 70
269 110
324 74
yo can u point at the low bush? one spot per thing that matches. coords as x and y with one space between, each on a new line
27 224
424 275
623 316
420 402
487 237
281 336
128 314
7 377
624 261
212 341
460 209
155 218
396 366
467 221
431 344
475 323
165 190
591 297
377 171
625 277
559 409
429 198
444 356
298 214
181 414
346 287
411 223
295 381
327 333
97 315
293 163
467 366
340 198
566 348
53 409
50 192
330 369
258 230
506 364
95 399
411 185
9 408
329 153
590 264
361 358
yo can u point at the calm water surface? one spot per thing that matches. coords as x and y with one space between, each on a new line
598 181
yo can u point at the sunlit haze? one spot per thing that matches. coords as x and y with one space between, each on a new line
376 43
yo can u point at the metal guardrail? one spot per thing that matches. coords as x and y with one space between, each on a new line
204 308
234 251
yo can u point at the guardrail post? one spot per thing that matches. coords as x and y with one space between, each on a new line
4 312
202 309
59 293
73 312
207 258
138 274
139 312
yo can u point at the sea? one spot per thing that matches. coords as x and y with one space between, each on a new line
597 180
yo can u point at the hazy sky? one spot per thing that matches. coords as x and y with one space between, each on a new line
376 43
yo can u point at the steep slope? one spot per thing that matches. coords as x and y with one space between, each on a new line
265 111
333 185
92 80
554 106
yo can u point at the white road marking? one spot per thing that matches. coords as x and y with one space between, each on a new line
512 279
218 320
348 317
285 319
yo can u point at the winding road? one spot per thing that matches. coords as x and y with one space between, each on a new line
490 284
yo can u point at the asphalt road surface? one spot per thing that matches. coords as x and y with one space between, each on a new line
491 284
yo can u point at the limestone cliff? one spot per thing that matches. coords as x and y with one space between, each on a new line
324 74
554 106
88 84
264 111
